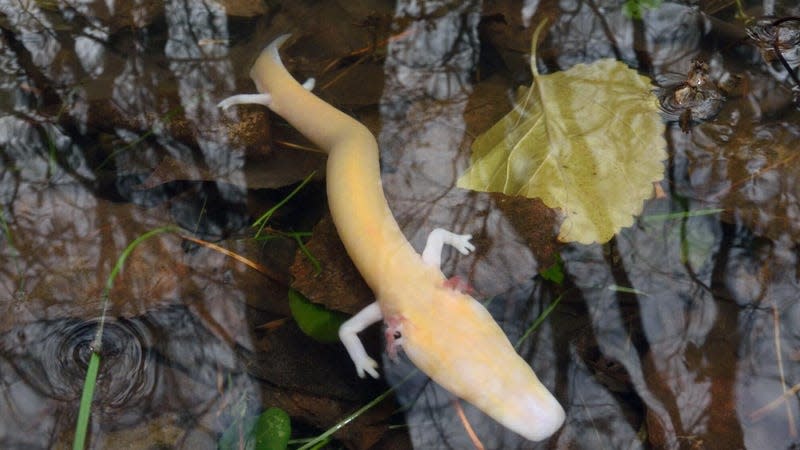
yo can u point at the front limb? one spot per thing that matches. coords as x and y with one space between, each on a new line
432 254
348 334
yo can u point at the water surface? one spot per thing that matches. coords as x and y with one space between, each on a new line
678 333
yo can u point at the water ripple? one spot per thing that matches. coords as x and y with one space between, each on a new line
52 357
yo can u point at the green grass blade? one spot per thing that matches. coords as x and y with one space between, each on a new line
539 320
681 215
82 426
262 221
306 252
627 290
330 431
166 119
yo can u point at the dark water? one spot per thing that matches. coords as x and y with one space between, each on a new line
679 333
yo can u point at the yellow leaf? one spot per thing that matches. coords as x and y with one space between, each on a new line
587 141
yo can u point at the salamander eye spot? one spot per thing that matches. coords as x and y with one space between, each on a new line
397 335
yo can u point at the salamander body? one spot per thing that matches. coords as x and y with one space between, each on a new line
446 333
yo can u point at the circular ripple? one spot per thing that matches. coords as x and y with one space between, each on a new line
124 352
52 357
775 35
696 98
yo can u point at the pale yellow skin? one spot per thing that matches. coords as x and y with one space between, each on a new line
447 334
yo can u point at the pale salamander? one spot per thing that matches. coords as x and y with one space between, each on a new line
446 333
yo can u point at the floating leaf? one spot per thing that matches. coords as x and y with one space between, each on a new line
316 321
588 141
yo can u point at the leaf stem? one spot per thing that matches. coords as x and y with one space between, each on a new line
534 44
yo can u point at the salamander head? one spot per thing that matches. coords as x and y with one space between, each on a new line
458 344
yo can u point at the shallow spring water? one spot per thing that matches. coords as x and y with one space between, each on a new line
679 333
